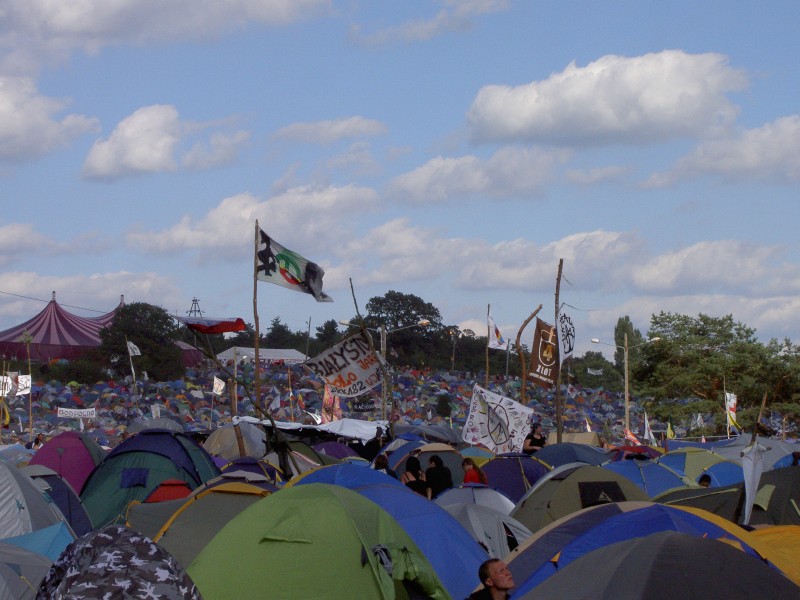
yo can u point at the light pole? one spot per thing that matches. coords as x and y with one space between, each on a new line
384 333
625 349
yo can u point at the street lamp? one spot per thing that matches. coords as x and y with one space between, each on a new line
384 334
625 349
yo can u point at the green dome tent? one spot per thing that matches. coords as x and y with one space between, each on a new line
314 541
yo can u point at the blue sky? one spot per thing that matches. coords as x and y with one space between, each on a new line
451 150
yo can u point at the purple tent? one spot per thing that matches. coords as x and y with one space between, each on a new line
334 449
72 455
513 473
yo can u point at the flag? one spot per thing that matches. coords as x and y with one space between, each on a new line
133 349
496 340
632 438
752 467
588 425
283 267
498 423
6 413
648 433
566 336
670 433
219 386
331 410
210 325
594 371
730 410
544 359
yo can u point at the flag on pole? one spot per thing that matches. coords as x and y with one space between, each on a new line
632 438
496 339
281 266
566 336
648 433
209 325
219 386
133 349
670 433
498 423
588 425
730 410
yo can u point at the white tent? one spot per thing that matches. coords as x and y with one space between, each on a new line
288 356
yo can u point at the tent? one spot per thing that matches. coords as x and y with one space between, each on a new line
21 572
137 466
72 455
116 562
346 474
254 465
513 474
693 462
55 333
652 477
476 493
223 441
348 543
731 449
288 356
571 489
63 496
556 455
665 566
24 506
453 553
450 457
491 528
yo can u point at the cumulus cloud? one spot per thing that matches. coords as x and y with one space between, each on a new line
29 123
654 97
509 172
305 215
327 132
221 149
19 241
33 30
457 15
768 153
591 177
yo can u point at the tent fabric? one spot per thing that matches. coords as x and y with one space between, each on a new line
63 495
453 553
24 506
732 449
21 572
346 474
491 528
48 541
137 466
346 540
555 455
780 545
169 489
289 356
631 525
476 493
693 462
160 423
652 477
513 474
571 490
116 562
665 566
253 465
223 441
72 455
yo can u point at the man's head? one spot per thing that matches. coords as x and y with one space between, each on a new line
494 574
705 480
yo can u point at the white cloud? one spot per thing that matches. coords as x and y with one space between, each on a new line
222 148
327 132
141 143
598 175
458 15
32 30
29 125
613 99
509 172
309 217
19 239
768 153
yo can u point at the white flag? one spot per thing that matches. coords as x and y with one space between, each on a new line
648 433
496 340
730 409
752 467
498 423
133 349
219 386
566 336
286 268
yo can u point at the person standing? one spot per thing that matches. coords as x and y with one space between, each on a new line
438 476
535 440
497 581
472 472
413 476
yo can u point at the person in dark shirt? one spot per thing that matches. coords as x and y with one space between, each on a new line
438 476
535 440
497 581
413 476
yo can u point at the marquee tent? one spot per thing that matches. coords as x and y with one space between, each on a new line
288 356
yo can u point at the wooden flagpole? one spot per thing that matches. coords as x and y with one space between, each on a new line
559 408
523 364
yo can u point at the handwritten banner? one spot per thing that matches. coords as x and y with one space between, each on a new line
76 413
350 367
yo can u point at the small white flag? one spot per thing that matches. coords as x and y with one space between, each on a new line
133 349
566 336
648 433
219 386
496 340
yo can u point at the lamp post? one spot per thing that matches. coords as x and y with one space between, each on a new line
384 333
625 349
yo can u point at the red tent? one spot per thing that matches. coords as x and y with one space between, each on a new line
55 333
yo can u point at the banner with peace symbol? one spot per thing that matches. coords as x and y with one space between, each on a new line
498 423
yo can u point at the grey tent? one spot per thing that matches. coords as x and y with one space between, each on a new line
24 506
21 572
493 529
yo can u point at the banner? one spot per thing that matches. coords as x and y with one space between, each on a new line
133 349
350 368
496 340
496 422
331 409
76 413
730 409
7 385
219 386
566 336
544 354
632 438
281 266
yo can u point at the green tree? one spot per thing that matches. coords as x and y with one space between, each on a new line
328 334
635 340
153 331
280 336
